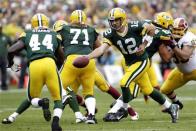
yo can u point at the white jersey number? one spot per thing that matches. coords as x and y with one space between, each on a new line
131 46
77 32
35 44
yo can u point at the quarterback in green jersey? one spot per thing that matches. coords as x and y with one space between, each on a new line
128 38
41 44
162 23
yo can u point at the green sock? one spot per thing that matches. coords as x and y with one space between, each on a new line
73 103
58 104
126 94
157 96
23 106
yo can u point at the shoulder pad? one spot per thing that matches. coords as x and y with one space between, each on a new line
23 34
59 37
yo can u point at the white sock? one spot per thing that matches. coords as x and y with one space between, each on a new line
13 116
78 115
57 112
63 92
90 103
167 104
125 105
34 102
116 107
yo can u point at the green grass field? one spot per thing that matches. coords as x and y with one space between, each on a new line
151 118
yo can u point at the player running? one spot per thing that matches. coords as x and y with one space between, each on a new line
41 43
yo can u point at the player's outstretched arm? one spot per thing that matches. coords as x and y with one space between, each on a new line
98 51
15 48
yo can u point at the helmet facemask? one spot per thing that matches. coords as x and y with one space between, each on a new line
117 18
180 28
116 24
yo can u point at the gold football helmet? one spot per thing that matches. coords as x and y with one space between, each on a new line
164 19
78 17
58 25
39 20
117 13
180 27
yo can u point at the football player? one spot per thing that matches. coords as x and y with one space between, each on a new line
41 43
80 39
162 23
67 98
183 46
128 38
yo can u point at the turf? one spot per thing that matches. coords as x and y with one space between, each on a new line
151 118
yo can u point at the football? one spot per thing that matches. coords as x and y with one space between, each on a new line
81 62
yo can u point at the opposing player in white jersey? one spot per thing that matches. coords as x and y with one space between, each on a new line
184 48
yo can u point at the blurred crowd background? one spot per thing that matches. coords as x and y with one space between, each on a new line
15 16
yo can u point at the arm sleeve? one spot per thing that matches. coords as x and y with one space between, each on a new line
59 39
107 37
22 37
139 26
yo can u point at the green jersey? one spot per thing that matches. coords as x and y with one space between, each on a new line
160 35
4 42
78 40
40 43
129 43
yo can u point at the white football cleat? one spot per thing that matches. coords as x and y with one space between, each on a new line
81 119
135 117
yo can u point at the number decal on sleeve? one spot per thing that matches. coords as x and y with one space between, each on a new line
108 31
35 44
77 32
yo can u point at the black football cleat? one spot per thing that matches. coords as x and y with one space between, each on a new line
179 103
7 121
110 117
173 111
91 119
121 113
46 110
56 127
